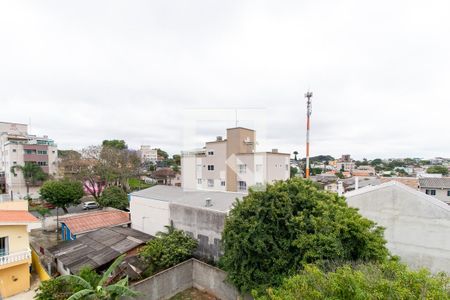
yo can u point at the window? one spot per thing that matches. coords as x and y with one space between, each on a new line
430 192
258 168
210 167
287 167
4 247
42 163
53 151
210 183
42 152
14 162
242 169
14 150
199 181
448 193
242 185
210 152
29 151
222 183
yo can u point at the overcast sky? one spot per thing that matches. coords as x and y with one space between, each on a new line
144 71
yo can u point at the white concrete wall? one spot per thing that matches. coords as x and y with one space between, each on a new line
188 172
417 225
149 215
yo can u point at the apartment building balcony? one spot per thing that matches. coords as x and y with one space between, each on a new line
15 258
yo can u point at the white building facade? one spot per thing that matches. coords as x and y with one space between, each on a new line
232 164
148 154
17 148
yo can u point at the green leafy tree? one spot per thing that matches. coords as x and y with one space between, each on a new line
390 280
376 162
271 234
162 153
31 172
86 285
438 170
294 172
113 196
62 193
168 249
177 159
117 144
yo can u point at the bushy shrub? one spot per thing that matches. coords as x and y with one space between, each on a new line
389 280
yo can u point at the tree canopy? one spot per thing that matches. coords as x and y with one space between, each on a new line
390 280
62 193
117 144
437 170
273 233
113 196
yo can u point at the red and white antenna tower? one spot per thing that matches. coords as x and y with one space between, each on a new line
308 96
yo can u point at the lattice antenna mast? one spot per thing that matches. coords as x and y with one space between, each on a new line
308 96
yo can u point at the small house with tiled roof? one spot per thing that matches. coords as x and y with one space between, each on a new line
74 226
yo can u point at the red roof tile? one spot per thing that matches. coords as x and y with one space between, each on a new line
95 220
16 216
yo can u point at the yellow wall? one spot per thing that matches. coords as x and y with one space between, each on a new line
14 280
14 205
37 266
18 237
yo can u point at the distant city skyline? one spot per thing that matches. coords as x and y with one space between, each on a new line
88 71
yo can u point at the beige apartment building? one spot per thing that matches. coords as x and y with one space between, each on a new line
148 154
17 147
232 164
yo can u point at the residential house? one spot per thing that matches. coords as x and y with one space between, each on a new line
15 255
77 225
199 213
97 249
17 147
233 164
364 171
164 176
436 187
417 226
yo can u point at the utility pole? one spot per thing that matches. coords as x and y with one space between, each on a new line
308 96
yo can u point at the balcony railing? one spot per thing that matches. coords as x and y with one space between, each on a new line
15 257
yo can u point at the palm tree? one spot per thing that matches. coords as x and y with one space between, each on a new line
102 288
295 155
31 174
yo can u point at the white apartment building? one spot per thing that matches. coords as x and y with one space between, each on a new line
148 154
17 147
232 164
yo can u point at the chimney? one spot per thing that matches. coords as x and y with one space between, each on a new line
208 202
218 138
274 150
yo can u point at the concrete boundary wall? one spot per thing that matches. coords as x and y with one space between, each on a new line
188 274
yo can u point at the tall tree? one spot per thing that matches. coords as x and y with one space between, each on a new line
438 170
273 233
62 193
31 174
295 155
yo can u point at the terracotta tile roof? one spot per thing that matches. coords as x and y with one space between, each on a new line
95 220
16 216
409 181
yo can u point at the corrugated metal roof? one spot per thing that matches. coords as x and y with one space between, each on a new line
438 183
98 248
